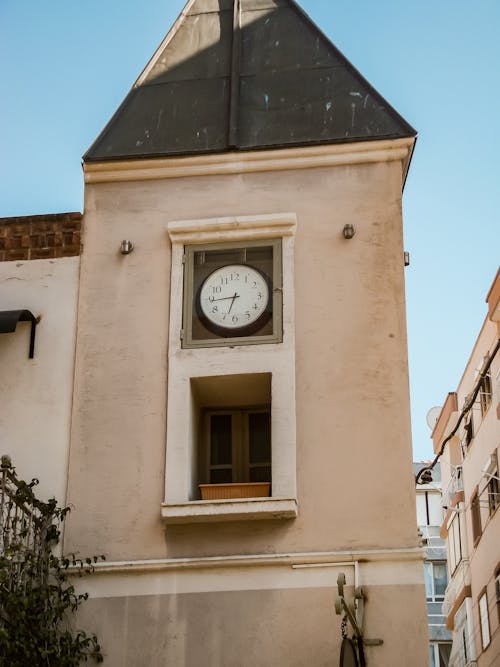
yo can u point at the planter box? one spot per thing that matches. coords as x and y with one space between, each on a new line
231 491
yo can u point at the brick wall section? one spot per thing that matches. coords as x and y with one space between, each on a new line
40 236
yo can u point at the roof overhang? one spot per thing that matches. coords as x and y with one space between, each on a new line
240 162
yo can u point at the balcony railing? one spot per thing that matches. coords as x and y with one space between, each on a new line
455 485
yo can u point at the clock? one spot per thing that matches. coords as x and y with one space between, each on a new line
232 293
234 298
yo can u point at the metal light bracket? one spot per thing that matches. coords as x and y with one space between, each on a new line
354 613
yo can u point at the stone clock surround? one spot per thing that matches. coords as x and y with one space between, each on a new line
278 359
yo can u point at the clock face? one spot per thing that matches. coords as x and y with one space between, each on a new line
234 298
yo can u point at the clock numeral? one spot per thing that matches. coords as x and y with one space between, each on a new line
215 309
234 318
211 299
255 306
254 284
216 289
259 295
247 313
235 276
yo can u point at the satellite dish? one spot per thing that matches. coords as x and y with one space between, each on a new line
432 416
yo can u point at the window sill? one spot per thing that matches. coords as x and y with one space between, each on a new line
246 509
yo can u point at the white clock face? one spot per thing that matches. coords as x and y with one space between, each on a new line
234 296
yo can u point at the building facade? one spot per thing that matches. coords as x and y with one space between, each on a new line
429 520
468 433
241 357
39 273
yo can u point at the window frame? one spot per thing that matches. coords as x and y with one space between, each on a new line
434 597
484 619
497 590
240 443
475 508
189 296
485 393
493 491
454 539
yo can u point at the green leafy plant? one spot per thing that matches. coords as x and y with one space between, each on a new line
37 596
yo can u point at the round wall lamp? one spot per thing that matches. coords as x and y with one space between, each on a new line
348 231
126 247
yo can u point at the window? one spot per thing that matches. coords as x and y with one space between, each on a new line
484 620
493 492
476 517
485 393
429 509
439 653
497 590
455 542
468 433
462 648
231 371
237 446
436 580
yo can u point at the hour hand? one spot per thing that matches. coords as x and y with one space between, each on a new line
235 296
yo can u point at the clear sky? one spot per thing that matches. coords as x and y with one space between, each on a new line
65 65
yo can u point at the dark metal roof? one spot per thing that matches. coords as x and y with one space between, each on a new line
243 75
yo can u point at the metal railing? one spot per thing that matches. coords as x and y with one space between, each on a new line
455 485
23 527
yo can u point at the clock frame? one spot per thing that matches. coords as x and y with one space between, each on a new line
203 260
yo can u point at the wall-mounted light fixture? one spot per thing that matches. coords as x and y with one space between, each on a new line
126 247
348 231
406 256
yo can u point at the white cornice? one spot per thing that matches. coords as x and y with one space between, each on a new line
252 161
211 230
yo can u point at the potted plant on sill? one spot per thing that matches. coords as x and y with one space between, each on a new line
235 490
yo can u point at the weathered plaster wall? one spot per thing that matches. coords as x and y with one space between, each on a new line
36 394
253 616
353 437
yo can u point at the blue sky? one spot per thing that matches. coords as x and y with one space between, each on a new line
65 66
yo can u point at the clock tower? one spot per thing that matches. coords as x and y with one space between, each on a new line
241 405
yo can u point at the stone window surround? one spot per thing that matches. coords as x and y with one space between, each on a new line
184 364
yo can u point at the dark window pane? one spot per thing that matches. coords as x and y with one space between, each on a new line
220 440
260 254
444 654
259 436
260 474
221 476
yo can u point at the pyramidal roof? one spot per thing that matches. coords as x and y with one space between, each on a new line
245 75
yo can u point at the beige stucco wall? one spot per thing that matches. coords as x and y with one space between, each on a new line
353 439
354 474
485 555
265 616
36 394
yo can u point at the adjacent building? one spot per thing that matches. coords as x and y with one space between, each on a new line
468 434
39 274
240 430
429 520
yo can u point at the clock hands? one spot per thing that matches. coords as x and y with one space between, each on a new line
225 298
234 297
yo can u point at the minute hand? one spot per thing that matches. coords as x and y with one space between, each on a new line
224 298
